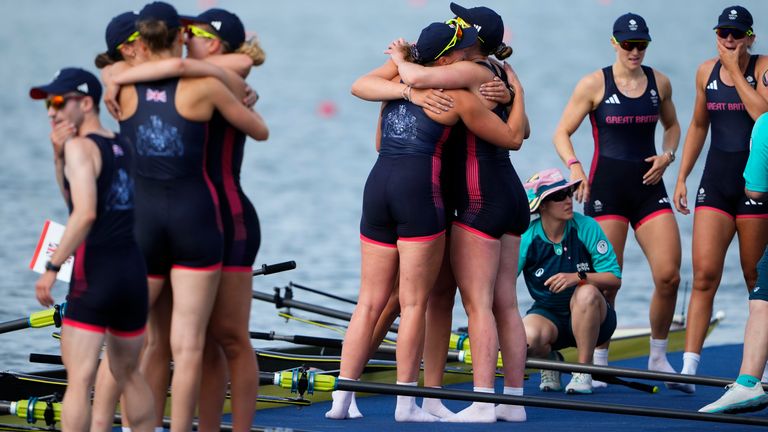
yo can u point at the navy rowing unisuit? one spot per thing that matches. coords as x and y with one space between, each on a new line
489 198
242 234
108 291
402 199
722 185
177 216
623 129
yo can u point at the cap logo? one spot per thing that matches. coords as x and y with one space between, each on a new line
83 88
632 25
216 25
56 75
733 15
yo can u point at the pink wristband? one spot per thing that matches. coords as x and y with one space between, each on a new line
572 161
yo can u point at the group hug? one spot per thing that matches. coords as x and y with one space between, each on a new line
165 239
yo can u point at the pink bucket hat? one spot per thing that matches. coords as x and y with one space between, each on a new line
545 183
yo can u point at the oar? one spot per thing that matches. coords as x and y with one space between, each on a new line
50 412
330 383
281 302
275 268
319 292
39 319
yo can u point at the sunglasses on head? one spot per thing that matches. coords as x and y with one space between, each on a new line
455 39
724 32
629 45
195 31
560 195
131 39
58 102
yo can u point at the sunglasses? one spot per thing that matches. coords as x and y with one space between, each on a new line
131 39
195 31
724 32
629 45
454 40
560 195
58 102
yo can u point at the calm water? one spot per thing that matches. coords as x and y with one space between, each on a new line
307 180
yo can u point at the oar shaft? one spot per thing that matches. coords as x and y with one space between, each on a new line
299 339
322 293
17 324
321 310
628 373
439 393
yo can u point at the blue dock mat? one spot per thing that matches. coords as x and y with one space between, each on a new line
720 361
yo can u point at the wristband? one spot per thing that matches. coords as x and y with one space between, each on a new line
572 161
49 266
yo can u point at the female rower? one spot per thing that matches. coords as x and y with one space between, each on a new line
625 101
729 97
166 122
746 394
484 190
107 300
410 237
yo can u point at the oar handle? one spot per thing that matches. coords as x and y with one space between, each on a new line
275 268
299 339
38 319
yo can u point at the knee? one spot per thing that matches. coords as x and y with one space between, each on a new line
122 368
231 339
705 278
750 277
586 297
667 281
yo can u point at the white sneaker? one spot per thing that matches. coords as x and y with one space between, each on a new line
550 381
739 399
581 383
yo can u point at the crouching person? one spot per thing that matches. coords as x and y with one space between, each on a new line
569 266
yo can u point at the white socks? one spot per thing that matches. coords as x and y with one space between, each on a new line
407 410
511 413
690 365
599 358
435 407
657 360
478 412
344 405
127 429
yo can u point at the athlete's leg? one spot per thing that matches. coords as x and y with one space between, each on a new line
540 334
712 233
124 365
379 266
588 311
753 236
659 238
386 319
229 328
213 384
194 295
420 263
755 339
475 261
80 352
510 327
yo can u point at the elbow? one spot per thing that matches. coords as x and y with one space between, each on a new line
261 134
356 90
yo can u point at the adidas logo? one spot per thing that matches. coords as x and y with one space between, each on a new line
613 100
712 85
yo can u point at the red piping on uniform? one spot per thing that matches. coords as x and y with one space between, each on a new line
127 334
83 326
377 243
714 209
596 137
651 216
612 217
422 238
214 267
474 231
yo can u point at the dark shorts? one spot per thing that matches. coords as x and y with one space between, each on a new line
722 186
760 291
108 291
490 199
565 337
402 200
242 233
178 225
617 192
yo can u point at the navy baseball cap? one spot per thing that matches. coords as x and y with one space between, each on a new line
489 25
735 17
160 11
630 27
119 29
435 38
70 80
226 24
